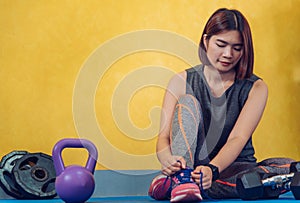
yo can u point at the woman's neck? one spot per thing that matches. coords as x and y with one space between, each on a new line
218 81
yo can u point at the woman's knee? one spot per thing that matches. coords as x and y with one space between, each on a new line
189 105
188 99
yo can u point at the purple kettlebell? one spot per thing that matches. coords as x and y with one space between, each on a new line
74 183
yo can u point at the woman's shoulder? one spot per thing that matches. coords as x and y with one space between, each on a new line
260 85
257 85
253 78
250 80
179 77
195 69
177 85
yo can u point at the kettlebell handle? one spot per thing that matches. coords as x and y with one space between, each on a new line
74 143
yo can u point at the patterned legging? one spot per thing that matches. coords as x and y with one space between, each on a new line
184 142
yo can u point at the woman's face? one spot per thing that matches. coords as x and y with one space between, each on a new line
224 50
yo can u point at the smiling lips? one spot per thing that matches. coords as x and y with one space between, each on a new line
225 63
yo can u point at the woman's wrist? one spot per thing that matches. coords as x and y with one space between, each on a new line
215 171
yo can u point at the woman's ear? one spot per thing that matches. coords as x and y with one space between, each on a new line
205 41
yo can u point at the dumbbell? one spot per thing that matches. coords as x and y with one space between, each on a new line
254 185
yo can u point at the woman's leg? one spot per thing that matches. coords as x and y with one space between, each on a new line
276 165
225 186
185 124
183 142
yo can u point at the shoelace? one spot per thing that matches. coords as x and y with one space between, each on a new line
202 191
184 176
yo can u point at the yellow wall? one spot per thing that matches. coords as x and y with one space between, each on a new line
44 46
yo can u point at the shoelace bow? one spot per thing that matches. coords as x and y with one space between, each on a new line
183 176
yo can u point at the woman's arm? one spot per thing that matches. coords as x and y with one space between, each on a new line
244 127
175 89
241 132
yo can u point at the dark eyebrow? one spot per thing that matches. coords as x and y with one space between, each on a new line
224 42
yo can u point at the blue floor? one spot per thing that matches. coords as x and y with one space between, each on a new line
135 199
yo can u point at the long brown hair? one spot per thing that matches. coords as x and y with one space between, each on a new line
224 20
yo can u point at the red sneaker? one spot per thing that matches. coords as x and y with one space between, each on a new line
185 189
160 188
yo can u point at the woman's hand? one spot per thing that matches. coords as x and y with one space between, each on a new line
206 176
173 164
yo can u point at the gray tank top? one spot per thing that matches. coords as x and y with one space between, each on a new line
219 114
